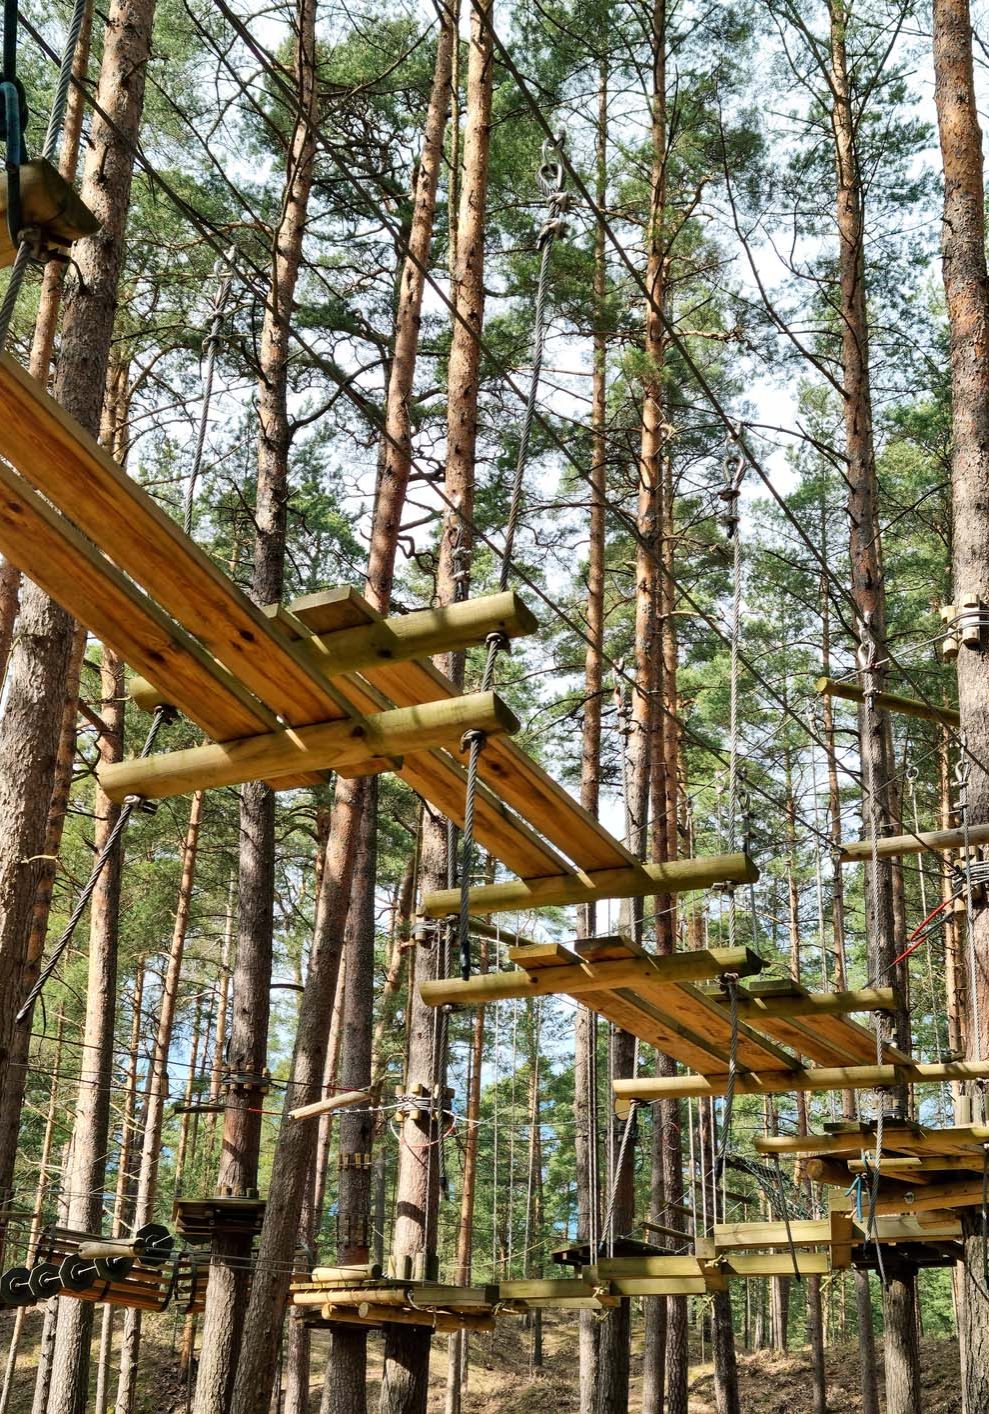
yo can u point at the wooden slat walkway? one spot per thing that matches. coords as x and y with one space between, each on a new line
101 546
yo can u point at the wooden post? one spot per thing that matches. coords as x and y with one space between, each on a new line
889 702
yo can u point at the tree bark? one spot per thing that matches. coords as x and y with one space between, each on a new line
345 1388
967 292
29 731
92 1116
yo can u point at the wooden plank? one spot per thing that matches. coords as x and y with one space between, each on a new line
895 1198
689 1005
348 650
675 877
47 548
847 1077
61 460
803 1232
545 1289
815 1024
775 1264
889 702
332 1102
439 779
514 777
589 977
324 746
937 1225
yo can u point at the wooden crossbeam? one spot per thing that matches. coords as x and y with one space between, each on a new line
332 1102
962 1193
813 1004
889 702
803 1233
774 1264
578 978
327 746
674 877
892 846
398 639
818 1079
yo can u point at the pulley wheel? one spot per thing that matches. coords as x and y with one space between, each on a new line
44 1281
14 1287
157 1244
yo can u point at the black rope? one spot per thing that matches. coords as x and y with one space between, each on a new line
162 715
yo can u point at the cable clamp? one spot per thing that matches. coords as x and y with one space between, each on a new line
552 173
498 640
472 737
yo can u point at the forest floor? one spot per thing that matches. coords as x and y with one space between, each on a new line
501 1382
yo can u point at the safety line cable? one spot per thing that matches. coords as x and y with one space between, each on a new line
162 715
551 178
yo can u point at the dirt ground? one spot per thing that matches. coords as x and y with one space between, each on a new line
501 1381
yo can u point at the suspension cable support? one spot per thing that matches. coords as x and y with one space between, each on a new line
550 179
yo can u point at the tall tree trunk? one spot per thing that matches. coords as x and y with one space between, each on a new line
585 1030
966 287
346 1381
49 304
226 1319
157 1094
405 1381
396 463
92 1117
38 678
40 1197
13 1095
457 1353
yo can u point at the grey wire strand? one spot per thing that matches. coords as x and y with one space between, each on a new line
61 97
162 715
210 347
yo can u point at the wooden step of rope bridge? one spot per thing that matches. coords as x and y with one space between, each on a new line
922 1170
658 1000
87 533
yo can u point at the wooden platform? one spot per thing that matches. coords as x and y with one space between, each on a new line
197 1219
85 531
658 1000
922 1170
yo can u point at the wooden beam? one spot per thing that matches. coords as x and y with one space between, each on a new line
896 1198
326 746
839 1077
332 1102
892 846
912 1167
889 702
674 877
803 1232
544 1289
826 1171
443 1322
932 1226
812 1003
397 639
774 1264
954 1140
589 977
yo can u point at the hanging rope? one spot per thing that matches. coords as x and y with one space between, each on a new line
786 1217
607 1236
133 802
729 983
13 121
224 273
551 178
963 774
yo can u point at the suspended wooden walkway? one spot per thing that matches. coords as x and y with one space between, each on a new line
659 1000
288 693
746 1250
922 1170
